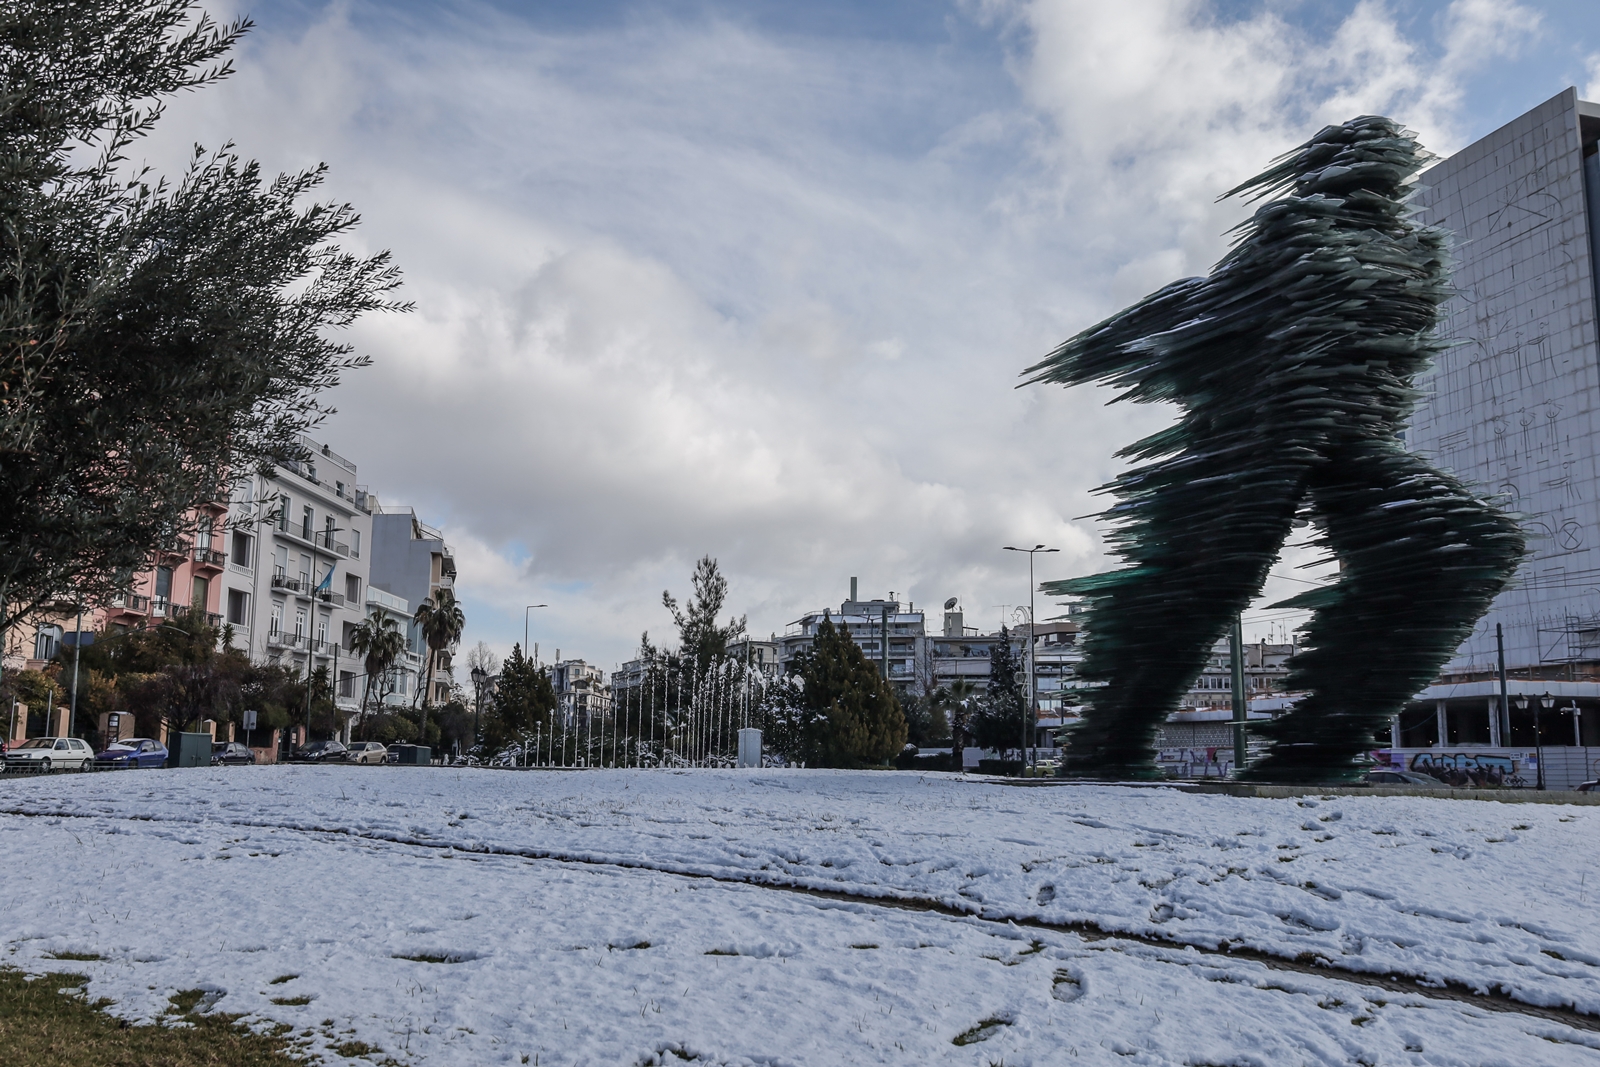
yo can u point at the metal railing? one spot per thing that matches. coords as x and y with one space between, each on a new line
326 541
210 557
281 580
132 603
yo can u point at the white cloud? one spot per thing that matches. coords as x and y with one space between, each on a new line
1592 90
686 287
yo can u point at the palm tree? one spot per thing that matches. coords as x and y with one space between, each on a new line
958 700
440 619
379 639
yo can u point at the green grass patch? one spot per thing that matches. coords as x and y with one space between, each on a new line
282 978
429 957
292 1002
42 1026
982 1032
73 955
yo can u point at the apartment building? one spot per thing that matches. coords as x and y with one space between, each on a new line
296 579
410 560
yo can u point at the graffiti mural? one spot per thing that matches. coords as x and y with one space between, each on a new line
1478 769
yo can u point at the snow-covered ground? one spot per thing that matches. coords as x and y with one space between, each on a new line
546 915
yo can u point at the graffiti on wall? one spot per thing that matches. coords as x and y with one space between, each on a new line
1468 768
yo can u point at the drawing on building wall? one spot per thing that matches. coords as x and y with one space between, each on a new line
1474 769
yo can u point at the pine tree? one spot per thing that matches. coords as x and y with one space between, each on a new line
523 700
1001 715
855 717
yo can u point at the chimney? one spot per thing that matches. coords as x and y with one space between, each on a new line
852 589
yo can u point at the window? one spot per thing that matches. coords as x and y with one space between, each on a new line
203 533
241 550
355 544
305 571
352 589
308 519
322 630
238 607
201 594
163 595
347 683
276 625
283 512
280 560
47 642
299 622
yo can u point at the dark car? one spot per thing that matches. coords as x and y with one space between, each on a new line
319 752
230 753
133 752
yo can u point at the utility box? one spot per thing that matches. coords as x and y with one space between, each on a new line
188 750
412 755
749 747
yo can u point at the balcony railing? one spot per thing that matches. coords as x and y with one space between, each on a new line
280 580
325 540
160 606
131 604
210 557
330 597
284 639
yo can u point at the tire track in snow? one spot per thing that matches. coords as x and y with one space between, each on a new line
1496 999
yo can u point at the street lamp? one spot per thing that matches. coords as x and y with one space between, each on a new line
479 676
526 652
1033 696
1546 702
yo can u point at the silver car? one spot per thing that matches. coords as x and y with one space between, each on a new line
51 754
366 752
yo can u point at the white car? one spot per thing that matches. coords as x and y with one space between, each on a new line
51 754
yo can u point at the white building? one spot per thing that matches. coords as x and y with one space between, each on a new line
1514 409
296 578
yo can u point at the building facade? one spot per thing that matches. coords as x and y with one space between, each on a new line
1513 408
296 577
412 561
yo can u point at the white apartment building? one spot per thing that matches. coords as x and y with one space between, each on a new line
295 583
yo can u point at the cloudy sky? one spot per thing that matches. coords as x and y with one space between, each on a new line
756 279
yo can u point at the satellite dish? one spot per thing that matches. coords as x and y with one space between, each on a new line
951 603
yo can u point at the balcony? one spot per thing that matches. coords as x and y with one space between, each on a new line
280 580
176 551
128 604
284 640
330 597
324 540
210 559
160 606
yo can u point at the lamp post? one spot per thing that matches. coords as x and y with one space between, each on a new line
1546 702
479 675
1577 723
311 641
1033 697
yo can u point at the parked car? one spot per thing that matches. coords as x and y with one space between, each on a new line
133 752
366 752
1588 787
51 754
318 752
228 753
1389 777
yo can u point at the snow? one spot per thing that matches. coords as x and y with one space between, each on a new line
646 916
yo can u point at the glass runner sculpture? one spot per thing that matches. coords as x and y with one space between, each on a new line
1291 364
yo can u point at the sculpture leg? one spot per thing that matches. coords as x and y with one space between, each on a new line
1199 532
1422 558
